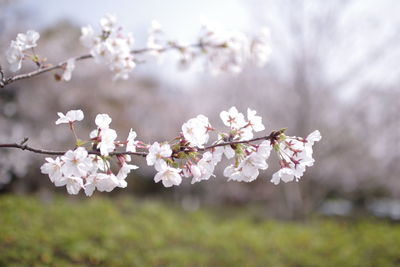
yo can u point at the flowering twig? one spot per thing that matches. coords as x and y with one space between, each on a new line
88 165
224 51
43 69
24 146
39 71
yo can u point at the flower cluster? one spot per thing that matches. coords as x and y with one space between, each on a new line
68 68
223 50
260 47
249 161
187 156
111 47
240 128
295 154
228 51
16 52
155 39
77 169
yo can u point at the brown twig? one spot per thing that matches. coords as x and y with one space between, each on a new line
59 153
1 77
23 146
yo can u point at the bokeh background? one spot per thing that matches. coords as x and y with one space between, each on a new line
334 67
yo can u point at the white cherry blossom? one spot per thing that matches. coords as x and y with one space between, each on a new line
155 38
107 145
204 168
232 118
255 121
88 37
52 168
106 182
69 67
76 163
264 149
131 143
102 53
312 138
284 174
167 175
156 154
90 185
73 184
70 117
261 48
14 56
101 181
27 40
108 22
103 121
196 130
123 173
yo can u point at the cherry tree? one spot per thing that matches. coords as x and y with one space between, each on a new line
90 163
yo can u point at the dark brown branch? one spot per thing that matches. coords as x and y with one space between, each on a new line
59 153
273 136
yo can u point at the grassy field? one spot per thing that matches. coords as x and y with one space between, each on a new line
128 232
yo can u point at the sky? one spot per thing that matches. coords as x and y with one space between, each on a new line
177 16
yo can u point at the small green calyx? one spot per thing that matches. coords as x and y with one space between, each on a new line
239 149
35 58
80 142
192 155
174 164
181 155
276 147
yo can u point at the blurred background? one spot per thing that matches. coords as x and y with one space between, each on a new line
334 67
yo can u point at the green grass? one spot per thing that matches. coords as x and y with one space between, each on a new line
128 232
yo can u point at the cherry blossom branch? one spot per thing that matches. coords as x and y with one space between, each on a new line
88 165
59 153
6 81
222 50
24 146
273 136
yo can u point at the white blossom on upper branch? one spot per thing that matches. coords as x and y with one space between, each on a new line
220 50
111 46
15 53
69 67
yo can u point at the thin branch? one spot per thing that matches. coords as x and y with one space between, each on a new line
5 81
23 146
41 70
1 77
59 153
